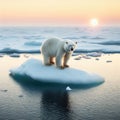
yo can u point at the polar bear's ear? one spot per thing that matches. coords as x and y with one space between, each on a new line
66 42
76 42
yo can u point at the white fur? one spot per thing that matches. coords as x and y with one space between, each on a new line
58 49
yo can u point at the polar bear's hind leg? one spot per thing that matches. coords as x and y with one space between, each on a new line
52 60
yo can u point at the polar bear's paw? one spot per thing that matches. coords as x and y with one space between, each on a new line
66 66
48 64
63 67
60 67
52 62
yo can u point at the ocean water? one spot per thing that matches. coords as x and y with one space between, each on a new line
28 39
22 99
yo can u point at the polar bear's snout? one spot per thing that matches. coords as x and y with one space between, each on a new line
71 49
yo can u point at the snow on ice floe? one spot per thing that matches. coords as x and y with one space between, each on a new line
34 69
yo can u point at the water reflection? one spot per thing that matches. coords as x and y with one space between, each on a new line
55 105
52 100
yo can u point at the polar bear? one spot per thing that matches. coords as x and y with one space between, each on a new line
58 49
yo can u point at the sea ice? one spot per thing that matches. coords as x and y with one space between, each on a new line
68 88
4 90
33 43
77 58
108 61
86 57
34 69
1 55
30 38
97 59
14 55
20 96
94 54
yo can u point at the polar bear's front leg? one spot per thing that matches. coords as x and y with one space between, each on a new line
65 60
59 61
46 60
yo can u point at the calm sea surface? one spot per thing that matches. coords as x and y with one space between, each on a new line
21 99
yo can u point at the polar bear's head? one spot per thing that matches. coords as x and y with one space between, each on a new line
69 46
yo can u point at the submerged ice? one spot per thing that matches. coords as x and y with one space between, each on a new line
35 70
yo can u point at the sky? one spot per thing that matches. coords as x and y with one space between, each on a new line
59 12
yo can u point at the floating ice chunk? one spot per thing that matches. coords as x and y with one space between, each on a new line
26 56
86 57
94 54
4 90
14 55
77 58
68 88
108 61
35 70
20 96
1 55
97 59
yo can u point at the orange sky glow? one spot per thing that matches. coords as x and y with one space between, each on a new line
58 12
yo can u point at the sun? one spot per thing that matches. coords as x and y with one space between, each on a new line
94 22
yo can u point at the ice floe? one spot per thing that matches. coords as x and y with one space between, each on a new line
34 69
94 54
68 88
